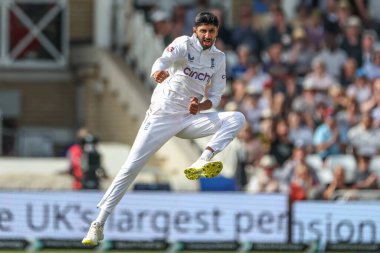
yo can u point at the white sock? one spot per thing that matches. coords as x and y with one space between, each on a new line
103 216
206 155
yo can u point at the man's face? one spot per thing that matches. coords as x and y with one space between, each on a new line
330 121
206 35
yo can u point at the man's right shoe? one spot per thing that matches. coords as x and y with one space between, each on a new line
94 235
202 168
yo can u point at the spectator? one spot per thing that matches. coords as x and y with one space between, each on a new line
225 98
244 33
350 115
238 94
360 90
351 42
347 118
300 54
265 181
332 56
372 105
261 13
191 12
255 76
281 146
367 46
315 30
74 154
338 183
93 171
266 128
348 73
363 138
318 116
364 178
162 25
360 9
299 132
307 102
280 31
373 68
303 186
234 161
330 17
244 58
276 67
178 19
299 154
253 108
278 105
224 33
293 89
266 99
344 11
253 146
337 98
85 162
319 77
326 136
302 14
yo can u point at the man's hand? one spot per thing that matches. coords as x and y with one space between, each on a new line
160 75
194 106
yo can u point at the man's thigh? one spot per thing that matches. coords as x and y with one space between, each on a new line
202 124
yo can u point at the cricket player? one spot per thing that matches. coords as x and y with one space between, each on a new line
191 78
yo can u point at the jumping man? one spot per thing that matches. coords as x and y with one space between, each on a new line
191 78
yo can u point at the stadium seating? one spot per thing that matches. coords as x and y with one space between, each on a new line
347 161
314 161
325 173
141 54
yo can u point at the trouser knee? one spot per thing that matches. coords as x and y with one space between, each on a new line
238 119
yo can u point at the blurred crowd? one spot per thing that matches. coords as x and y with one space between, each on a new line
309 86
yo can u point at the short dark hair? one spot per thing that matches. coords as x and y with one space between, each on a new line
206 18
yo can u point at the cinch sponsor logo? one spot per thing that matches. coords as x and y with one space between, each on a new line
197 75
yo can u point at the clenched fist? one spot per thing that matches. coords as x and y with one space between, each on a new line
194 106
160 75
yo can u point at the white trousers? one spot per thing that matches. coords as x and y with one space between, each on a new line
157 129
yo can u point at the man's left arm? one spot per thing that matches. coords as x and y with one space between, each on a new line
213 93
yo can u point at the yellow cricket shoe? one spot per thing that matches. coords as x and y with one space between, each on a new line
202 168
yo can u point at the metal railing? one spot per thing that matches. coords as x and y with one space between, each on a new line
353 194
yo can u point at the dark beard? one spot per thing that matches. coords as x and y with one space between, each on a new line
203 47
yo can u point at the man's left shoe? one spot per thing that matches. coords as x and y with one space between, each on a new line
202 168
94 235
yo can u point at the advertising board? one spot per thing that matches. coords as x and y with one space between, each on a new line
355 222
147 216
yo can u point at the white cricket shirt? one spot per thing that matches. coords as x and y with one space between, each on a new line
192 70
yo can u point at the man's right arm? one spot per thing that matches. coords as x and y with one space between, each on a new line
177 49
